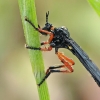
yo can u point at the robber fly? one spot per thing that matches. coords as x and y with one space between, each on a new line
60 38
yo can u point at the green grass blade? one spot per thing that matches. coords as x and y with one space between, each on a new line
27 8
96 5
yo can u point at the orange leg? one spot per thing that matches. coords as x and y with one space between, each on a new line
66 61
48 33
42 49
41 30
66 68
46 49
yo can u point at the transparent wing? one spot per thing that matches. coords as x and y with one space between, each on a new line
85 60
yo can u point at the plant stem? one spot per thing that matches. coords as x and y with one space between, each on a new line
27 8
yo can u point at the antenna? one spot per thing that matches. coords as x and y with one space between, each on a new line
47 14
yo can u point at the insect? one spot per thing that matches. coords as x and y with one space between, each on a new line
60 38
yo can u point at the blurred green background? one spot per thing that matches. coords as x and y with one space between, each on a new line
16 78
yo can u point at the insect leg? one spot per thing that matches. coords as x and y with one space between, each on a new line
43 43
66 61
61 56
38 29
42 49
26 19
50 70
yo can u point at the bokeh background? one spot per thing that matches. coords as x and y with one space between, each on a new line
16 78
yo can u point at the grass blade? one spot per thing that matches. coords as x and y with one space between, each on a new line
27 8
96 5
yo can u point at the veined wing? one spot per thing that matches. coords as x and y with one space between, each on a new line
85 60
